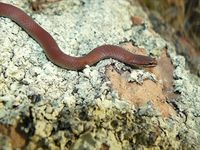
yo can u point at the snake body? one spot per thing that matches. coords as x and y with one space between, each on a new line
63 60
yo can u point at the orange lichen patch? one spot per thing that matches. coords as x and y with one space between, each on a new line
136 20
139 94
156 92
164 71
17 141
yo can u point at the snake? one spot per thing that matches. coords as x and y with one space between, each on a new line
58 57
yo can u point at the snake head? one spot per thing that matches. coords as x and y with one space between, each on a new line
144 61
152 62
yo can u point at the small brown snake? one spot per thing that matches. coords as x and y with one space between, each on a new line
54 53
